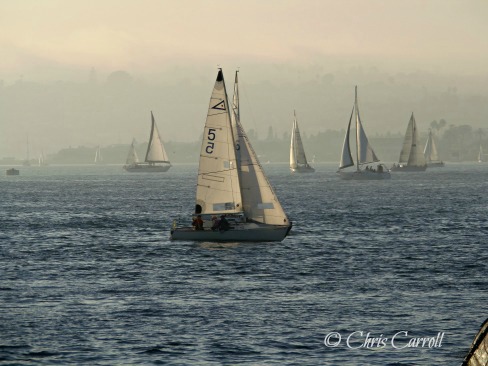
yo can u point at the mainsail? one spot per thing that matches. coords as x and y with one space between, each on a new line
155 149
259 200
218 188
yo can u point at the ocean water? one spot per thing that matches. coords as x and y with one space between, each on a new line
89 275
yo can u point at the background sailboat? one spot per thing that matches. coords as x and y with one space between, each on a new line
411 157
231 182
156 160
298 160
430 152
480 155
364 153
98 156
42 159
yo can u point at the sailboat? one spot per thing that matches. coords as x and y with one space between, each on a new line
478 352
480 155
231 182
132 157
411 157
156 160
42 159
430 153
98 156
364 153
298 160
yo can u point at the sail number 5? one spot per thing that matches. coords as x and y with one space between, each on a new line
210 138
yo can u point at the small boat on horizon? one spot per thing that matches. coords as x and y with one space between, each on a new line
12 171
298 159
364 153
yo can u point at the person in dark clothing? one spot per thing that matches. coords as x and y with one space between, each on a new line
223 224
198 223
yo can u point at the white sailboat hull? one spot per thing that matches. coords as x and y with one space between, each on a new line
147 168
302 169
253 232
409 168
364 175
437 164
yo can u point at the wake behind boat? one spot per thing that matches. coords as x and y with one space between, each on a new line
156 160
231 183
298 160
364 153
411 157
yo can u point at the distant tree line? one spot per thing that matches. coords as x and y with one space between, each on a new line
454 143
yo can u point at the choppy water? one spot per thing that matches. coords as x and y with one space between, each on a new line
88 275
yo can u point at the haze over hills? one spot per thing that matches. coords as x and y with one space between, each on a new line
88 73
114 109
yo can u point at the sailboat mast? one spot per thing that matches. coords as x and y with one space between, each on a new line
356 111
233 133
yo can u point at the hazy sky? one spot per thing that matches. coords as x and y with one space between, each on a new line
48 36
49 40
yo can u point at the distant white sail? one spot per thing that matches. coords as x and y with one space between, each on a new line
297 152
411 153
132 157
98 155
218 188
430 150
480 155
155 148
